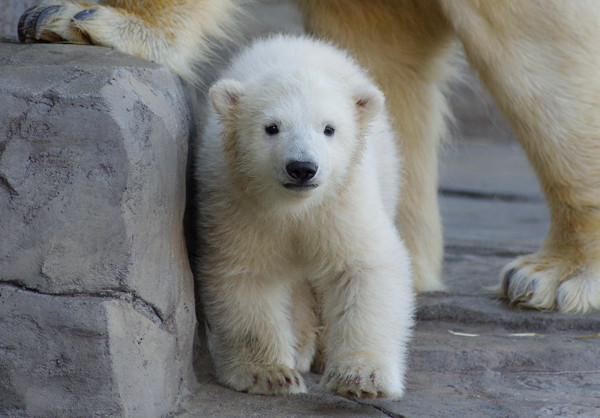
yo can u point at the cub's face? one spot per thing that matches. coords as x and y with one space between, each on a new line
293 136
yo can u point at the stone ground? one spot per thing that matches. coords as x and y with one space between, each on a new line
471 355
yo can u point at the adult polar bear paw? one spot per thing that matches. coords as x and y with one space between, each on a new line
176 39
265 379
358 378
549 282
75 22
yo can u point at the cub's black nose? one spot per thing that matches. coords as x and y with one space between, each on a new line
301 171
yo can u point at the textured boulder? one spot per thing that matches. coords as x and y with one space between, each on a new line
96 294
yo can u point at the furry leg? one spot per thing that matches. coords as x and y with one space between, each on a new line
541 60
250 335
367 317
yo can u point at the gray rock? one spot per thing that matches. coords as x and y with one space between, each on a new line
77 356
93 262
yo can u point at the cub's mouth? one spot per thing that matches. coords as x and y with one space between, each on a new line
300 187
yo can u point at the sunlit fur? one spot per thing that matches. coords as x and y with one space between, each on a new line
283 271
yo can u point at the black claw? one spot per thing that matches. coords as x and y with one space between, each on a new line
42 15
84 14
30 22
23 24
507 278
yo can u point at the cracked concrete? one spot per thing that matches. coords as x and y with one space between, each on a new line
139 304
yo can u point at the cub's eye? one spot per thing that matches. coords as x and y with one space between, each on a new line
272 129
329 131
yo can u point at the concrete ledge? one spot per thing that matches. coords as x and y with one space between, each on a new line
96 309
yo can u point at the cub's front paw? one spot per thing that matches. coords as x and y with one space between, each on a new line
264 379
548 282
356 378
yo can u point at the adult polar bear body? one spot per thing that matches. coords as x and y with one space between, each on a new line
300 260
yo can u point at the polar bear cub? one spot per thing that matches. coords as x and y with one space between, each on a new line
300 261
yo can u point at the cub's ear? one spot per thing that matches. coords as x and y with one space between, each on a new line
369 102
225 95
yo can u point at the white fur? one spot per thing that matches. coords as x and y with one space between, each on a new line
290 274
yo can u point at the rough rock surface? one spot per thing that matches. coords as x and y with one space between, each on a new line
96 294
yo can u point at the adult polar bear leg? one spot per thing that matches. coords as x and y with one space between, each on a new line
541 60
250 334
405 46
